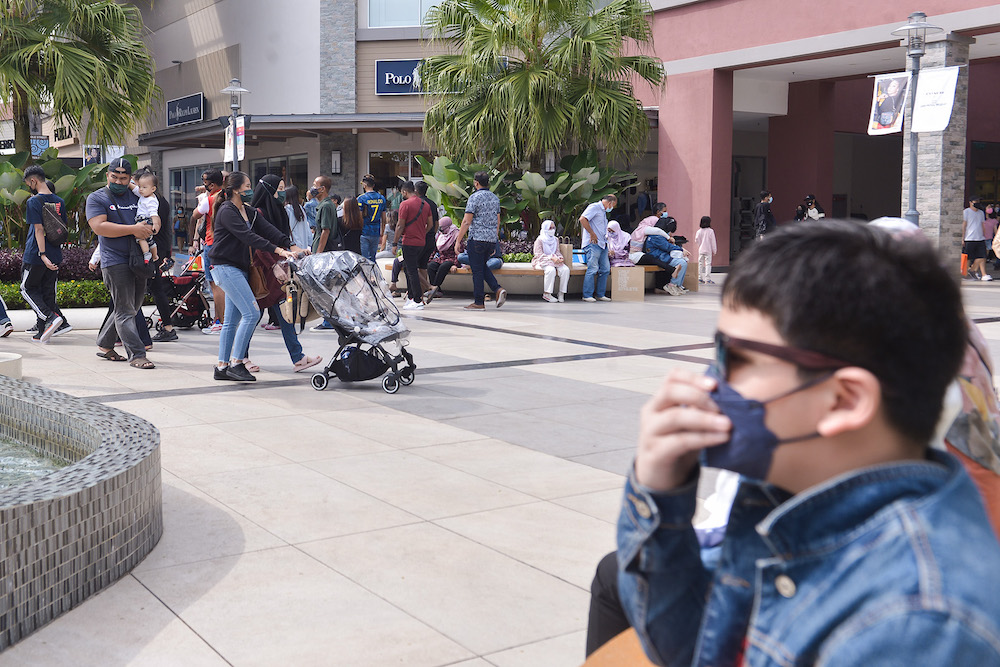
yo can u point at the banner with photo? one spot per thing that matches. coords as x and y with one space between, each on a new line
888 103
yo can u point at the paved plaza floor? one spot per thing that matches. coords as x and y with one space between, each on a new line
457 522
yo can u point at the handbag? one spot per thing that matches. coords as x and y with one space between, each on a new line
55 229
264 265
255 276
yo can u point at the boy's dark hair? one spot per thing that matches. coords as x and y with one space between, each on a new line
482 178
36 171
859 295
764 194
421 188
706 221
338 199
408 187
148 175
213 176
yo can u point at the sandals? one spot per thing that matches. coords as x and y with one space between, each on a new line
306 362
141 362
111 355
251 366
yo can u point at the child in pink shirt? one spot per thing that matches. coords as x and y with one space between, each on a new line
704 238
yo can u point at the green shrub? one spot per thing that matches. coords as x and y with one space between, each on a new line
518 257
70 294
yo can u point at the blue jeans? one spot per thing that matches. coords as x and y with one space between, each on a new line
683 263
236 332
369 246
205 264
287 334
493 263
478 252
599 268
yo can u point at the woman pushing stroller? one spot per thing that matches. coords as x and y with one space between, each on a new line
238 230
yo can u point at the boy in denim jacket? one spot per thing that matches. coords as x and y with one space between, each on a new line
851 541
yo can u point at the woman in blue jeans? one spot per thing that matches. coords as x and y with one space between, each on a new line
238 230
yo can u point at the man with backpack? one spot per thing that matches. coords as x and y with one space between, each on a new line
47 231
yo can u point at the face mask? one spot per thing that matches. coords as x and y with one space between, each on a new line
770 199
281 197
549 232
751 443
607 210
247 196
117 189
989 210
664 215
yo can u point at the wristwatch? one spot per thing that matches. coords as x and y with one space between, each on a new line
42 253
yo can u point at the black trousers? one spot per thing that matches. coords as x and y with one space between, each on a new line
607 618
430 245
38 287
411 261
438 271
158 288
660 278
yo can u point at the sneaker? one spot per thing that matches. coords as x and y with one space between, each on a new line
32 330
239 373
475 306
214 329
165 336
674 290
590 299
51 324
987 277
270 327
220 373
550 298
562 297
5 329
501 297
709 281
413 305
64 329
603 298
701 280
322 326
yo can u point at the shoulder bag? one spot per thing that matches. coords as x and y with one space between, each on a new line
52 222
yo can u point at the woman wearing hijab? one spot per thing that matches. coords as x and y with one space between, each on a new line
619 244
269 198
297 218
550 261
445 257
351 225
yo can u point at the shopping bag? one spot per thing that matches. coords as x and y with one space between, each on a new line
566 249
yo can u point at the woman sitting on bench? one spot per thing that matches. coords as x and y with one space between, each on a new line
551 262
444 259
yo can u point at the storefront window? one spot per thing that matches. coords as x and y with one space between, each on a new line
293 170
389 167
398 13
182 185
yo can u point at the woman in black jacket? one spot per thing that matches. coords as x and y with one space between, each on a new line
239 229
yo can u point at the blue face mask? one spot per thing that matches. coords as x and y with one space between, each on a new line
751 444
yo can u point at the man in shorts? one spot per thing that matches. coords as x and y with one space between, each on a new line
975 241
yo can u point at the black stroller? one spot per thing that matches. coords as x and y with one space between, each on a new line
188 306
350 292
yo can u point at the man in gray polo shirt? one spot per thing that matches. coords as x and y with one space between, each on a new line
482 223
594 226
975 240
111 214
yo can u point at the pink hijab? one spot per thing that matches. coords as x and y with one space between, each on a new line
638 237
618 241
447 234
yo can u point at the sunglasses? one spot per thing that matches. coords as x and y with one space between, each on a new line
807 359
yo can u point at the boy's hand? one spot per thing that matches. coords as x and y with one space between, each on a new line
677 423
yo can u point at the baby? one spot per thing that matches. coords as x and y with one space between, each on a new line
149 206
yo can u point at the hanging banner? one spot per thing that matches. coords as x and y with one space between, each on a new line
888 103
227 153
241 138
935 99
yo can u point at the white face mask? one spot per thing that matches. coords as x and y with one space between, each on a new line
549 231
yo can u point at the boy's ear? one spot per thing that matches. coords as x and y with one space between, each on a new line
856 400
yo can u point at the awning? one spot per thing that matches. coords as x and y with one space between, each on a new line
212 133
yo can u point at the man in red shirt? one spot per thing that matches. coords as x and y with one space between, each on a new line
212 180
414 215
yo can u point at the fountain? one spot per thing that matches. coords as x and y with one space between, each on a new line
68 533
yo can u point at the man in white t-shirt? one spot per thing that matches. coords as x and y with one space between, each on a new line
975 240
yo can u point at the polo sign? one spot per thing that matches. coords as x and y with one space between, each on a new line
397 77
182 110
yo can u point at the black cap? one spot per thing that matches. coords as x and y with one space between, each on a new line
121 164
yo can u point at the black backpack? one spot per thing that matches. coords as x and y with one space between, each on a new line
55 229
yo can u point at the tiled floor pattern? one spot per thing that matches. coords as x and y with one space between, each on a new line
457 522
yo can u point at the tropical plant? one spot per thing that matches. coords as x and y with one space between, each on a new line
451 184
73 185
563 196
528 76
81 58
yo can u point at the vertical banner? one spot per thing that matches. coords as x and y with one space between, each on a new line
888 103
228 151
935 99
240 138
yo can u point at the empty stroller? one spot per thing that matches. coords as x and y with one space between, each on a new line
350 292
188 306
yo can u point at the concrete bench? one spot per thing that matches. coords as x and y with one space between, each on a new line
521 278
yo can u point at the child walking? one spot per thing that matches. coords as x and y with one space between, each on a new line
704 238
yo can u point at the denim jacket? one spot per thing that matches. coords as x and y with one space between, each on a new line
894 564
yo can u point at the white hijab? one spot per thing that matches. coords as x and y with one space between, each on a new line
550 244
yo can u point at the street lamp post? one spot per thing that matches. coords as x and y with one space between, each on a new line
235 91
915 31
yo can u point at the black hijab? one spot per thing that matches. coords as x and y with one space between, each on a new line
263 198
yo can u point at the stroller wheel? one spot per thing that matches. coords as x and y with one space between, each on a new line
149 322
319 381
159 325
406 376
390 384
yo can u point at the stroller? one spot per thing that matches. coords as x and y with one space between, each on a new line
188 306
351 293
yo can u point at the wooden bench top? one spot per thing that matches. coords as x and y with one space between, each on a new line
524 269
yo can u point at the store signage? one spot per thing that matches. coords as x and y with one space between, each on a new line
397 77
183 110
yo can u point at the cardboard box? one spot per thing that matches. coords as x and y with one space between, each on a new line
628 283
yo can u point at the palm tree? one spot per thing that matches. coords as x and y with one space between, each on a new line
78 57
528 76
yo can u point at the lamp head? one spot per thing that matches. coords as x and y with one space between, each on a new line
916 30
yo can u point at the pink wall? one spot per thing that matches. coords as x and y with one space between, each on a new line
984 101
800 149
695 153
726 25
